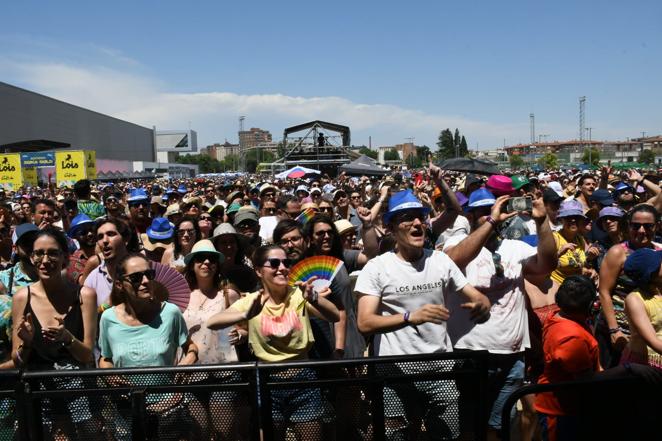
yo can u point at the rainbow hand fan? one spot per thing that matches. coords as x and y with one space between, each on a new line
324 267
305 216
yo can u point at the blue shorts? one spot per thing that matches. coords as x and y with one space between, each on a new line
297 405
505 376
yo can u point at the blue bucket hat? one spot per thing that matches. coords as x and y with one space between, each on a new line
571 208
641 265
401 201
138 194
182 189
161 229
480 198
77 222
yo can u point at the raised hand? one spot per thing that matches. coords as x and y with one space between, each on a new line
538 212
497 214
433 170
55 333
309 292
256 307
365 215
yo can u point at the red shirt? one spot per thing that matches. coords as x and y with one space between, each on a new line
570 352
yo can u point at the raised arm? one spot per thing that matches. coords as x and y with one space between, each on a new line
609 271
467 250
452 206
546 260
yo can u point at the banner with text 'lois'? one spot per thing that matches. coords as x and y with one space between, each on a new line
70 166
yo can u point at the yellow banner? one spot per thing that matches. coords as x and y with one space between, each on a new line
91 164
11 177
30 176
69 167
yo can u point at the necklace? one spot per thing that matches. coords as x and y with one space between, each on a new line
207 297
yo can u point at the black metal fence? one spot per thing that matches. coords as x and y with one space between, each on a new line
402 397
615 405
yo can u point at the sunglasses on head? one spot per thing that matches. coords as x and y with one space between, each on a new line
136 278
275 263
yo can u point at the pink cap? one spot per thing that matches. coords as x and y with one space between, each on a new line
500 185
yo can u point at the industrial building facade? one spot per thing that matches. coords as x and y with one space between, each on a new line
26 115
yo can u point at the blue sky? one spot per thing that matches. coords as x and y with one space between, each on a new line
390 70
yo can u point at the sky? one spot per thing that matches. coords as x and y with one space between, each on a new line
390 70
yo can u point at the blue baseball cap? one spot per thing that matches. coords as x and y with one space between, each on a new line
623 186
77 222
401 201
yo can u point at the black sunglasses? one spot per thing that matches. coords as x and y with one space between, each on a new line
199 258
275 263
138 204
136 278
636 226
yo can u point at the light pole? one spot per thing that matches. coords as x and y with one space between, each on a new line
590 146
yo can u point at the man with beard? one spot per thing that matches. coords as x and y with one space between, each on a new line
498 267
139 210
82 229
331 340
402 301
287 207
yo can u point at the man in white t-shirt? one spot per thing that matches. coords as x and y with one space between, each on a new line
402 301
497 268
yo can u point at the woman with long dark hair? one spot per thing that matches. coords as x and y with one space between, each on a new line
55 328
187 233
235 267
141 330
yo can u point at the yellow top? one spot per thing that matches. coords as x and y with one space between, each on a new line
279 332
572 261
640 350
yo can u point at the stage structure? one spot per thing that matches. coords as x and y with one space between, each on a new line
323 146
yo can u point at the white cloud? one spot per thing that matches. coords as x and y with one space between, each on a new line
214 115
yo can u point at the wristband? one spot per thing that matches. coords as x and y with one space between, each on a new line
406 316
491 221
614 330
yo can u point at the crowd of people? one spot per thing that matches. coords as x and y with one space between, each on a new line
556 274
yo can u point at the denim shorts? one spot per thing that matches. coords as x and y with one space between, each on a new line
297 405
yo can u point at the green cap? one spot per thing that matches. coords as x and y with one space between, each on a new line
233 208
519 181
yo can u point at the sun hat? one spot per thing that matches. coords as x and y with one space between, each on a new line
24 231
480 198
337 192
172 210
215 208
244 215
603 197
78 221
203 246
571 208
151 245
315 190
519 181
233 208
234 195
642 264
343 226
158 200
160 229
224 228
266 187
611 211
138 194
500 185
309 204
556 186
401 201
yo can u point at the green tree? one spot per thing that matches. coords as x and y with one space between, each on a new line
252 157
594 156
446 145
464 148
549 161
391 155
647 157
368 152
231 163
516 162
